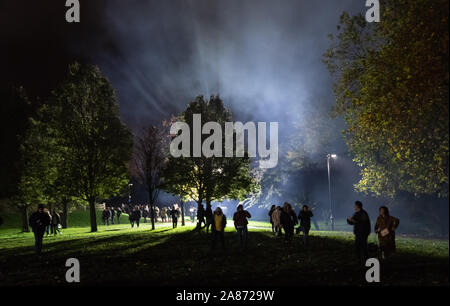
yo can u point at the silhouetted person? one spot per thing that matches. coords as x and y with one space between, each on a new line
208 217
288 220
174 215
361 229
105 216
47 228
276 219
112 214
131 218
240 223
305 222
272 209
38 221
145 215
201 216
156 213
385 228
219 222
136 217
55 223
118 213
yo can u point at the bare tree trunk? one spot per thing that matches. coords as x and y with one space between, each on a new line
182 212
93 215
152 212
65 213
24 212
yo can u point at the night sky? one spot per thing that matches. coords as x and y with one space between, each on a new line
263 58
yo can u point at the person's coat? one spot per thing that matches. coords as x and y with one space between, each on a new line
223 225
276 218
38 221
288 219
305 218
105 214
240 218
56 219
361 223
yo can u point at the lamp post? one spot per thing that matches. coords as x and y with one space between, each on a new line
329 157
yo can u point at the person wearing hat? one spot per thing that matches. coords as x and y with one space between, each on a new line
38 221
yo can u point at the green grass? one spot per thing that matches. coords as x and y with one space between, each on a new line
166 256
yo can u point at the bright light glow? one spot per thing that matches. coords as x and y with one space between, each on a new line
333 156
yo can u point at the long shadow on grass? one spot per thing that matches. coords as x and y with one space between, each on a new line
185 259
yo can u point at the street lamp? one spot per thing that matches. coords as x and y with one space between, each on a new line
129 193
329 157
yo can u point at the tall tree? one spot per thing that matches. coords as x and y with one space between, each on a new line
392 90
41 160
150 153
98 145
208 178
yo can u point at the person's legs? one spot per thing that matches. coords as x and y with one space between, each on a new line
239 236
38 235
245 236
359 248
222 239
278 231
132 223
137 223
365 248
213 240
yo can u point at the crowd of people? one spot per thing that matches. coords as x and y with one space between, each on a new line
138 212
283 219
44 222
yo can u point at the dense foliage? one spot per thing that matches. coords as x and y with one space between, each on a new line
392 90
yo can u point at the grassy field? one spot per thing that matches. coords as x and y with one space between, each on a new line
118 254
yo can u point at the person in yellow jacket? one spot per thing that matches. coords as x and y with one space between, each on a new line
219 222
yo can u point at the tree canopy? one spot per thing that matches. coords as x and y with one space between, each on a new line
391 87
97 146
208 178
